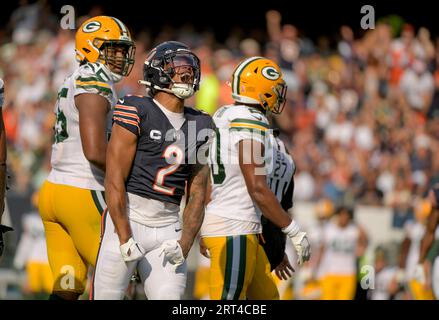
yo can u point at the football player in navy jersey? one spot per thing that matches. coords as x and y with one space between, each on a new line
157 150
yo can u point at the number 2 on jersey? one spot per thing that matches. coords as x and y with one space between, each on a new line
175 156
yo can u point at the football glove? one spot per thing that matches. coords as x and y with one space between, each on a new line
131 251
3 229
173 252
300 242
419 273
400 276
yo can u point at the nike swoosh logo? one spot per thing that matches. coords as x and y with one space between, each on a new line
177 230
121 100
257 118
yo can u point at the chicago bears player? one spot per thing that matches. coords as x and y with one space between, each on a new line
239 266
153 155
72 198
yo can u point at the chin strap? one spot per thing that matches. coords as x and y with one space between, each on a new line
180 90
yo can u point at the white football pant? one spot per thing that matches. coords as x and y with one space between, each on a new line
160 279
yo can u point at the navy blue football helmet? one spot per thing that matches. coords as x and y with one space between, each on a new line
164 62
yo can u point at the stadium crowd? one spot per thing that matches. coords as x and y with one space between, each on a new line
361 120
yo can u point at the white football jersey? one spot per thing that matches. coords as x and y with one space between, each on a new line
280 166
230 200
32 245
69 164
415 232
339 257
383 280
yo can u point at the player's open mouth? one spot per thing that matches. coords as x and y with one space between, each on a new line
186 77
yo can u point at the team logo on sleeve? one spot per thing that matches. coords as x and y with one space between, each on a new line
92 26
270 73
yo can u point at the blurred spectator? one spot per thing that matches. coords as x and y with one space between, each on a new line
417 85
410 247
386 285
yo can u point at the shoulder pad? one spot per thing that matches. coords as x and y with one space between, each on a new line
248 113
134 100
195 112
95 70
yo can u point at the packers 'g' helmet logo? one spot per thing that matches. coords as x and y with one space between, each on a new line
91 26
258 80
270 73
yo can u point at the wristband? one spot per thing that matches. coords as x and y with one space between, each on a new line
292 229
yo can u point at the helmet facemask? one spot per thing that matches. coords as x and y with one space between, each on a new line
280 92
178 73
118 56
183 71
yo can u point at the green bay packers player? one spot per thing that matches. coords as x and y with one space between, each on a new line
232 226
342 243
72 198
429 247
3 229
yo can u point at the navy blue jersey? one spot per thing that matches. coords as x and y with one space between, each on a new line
164 156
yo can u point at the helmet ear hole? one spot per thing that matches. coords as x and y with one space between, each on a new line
267 95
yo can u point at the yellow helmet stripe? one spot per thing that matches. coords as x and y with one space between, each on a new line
238 71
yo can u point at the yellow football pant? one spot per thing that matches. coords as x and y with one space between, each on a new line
284 287
418 291
39 277
338 287
201 287
312 290
239 269
71 218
